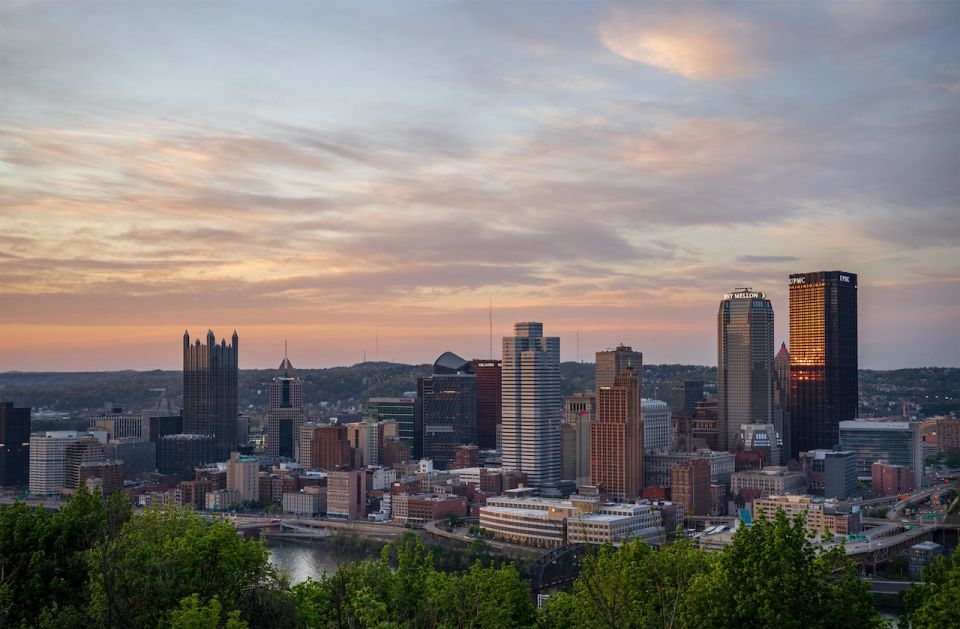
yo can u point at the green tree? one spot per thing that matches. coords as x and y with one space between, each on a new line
772 576
633 586
42 556
192 614
166 555
492 598
936 602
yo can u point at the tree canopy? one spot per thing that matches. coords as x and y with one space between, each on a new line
94 565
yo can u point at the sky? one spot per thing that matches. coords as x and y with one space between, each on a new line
364 179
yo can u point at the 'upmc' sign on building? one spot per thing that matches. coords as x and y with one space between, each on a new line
803 279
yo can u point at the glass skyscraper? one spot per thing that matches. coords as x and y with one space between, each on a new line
448 409
210 391
823 357
744 363
399 409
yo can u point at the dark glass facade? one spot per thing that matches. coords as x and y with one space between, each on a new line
489 404
210 392
685 395
448 409
823 357
181 454
14 445
399 409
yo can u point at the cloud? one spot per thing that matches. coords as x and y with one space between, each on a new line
705 45
751 259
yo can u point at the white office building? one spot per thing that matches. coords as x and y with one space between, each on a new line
532 406
656 425
48 460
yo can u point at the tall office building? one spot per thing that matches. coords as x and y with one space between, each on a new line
744 363
285 412
579 411
85 449
399 409
14 445
532 405
616 438
48 460
781 400
613 362
657 429
448 409
330 447
690 486
823 357
210 391
488 401
685 395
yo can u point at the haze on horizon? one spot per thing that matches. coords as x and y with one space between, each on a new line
339 173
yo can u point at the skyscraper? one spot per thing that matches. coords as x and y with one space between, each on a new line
448 405
579 410
823 357
744 363
402 410
210 391
532 406
781 400
616 438
489 403
613 362
14 445
285 412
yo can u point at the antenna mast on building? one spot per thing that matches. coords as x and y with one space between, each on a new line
491 327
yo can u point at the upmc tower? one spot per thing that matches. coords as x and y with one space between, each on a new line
823 357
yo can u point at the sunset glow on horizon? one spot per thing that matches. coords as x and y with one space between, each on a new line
361 180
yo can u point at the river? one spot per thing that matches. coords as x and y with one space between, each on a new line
304 559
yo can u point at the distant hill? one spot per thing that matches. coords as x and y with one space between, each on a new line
932 390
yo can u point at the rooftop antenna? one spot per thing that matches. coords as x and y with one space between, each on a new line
284 349
578 345
491 327
376 350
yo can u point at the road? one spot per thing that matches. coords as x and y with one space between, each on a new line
879 586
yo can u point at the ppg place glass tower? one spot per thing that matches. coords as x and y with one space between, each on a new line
823 357
744 363
210 391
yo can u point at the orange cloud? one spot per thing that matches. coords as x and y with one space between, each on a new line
697 46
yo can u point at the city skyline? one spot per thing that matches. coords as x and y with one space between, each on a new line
364 179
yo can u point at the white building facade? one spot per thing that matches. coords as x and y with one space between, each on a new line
656 425
532 406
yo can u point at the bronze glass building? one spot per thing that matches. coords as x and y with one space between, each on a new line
823 357
210 392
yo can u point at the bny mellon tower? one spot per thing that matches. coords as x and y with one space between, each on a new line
210 391
532 407
744 364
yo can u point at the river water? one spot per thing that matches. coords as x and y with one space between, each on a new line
302 560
